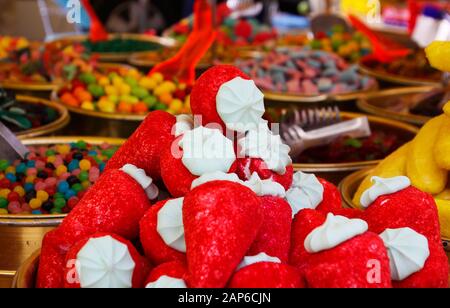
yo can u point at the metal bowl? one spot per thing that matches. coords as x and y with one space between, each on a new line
396 79
26 274
21 235
50 128
350 185
116 56
395 104
337 171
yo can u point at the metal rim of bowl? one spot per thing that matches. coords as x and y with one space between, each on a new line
141 60
395 78
62 121
345 187
98 114
119 56
356 165
364 104
51 219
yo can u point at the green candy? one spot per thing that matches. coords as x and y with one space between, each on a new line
3 203
50 153
83 176
160 106
77 188
60 203
140 93
58 196
109 153
4 164
81 145
150 101
88 78
132 82
96 90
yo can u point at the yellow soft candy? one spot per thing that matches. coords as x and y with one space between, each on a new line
35 204
421 166
85 165
63 149
107 106
442 147
4 193
20 191
438 54
176 105
111 90
124 89
88 106
444 217
103 81
147 83
42 195
117 81
169 86
51 159
158 77
61 170
391 166
10 169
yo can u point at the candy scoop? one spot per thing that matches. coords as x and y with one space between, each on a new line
97 32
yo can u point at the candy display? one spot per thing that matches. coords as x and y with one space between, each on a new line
236 32
9 45
120 45
51 179
305 72
20 116
125 90
237 215
413 69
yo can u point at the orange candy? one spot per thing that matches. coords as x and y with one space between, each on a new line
82 95
140 108
166 98
70 100
125 107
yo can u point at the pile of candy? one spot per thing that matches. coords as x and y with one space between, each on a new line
19 116
9 45
48 65
51 179
413 66
120 45
237 32
306 72
239 216
127 91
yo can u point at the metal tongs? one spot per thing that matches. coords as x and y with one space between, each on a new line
10 147
310 128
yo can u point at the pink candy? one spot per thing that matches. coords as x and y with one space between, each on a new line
64 176
40 165
94 174
32 172
40 186
51 182
14 208
76 172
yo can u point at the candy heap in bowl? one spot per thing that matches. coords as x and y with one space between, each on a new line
238 216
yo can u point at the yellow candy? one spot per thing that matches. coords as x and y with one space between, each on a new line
158 77
176 105
19 190
51 159
4 212
391 166
133 73
35 204
147 83
88 106
85 165
10 169
124 89
86 184
112 90
30 179
442 146
63 149
438 54
42 195
117 82
421 166
107 106
4 193
160 91
169 86
103 81
61 170
444 216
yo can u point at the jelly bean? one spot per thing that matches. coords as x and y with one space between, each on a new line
76 172
10 169
15 208
36 212
83 176
21 168
35 204
32 172
42 195
11 177
50 181
26 207
72 202
60 203
74 164
28 187
86 184
64 176
77 188
69 194
5 183
3 203
3 211
13 196
4 193
20 191
3 165
40 186
63 187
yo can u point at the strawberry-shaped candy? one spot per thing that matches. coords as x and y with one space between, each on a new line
201 151
115 204
415 262
143 148
105 261
263 152
263 271
309 192
338 252
221 221
243 29
393 203
274 237
168 275
225 96
162 232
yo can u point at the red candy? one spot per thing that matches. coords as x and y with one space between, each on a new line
274 237
221 221
203 96
175 269
143 148
243 29
265 275
332 201
154 247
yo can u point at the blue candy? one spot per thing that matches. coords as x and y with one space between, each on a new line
11 177
21 168
63 187
28 187
31 164
36 212
69 194
73 165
